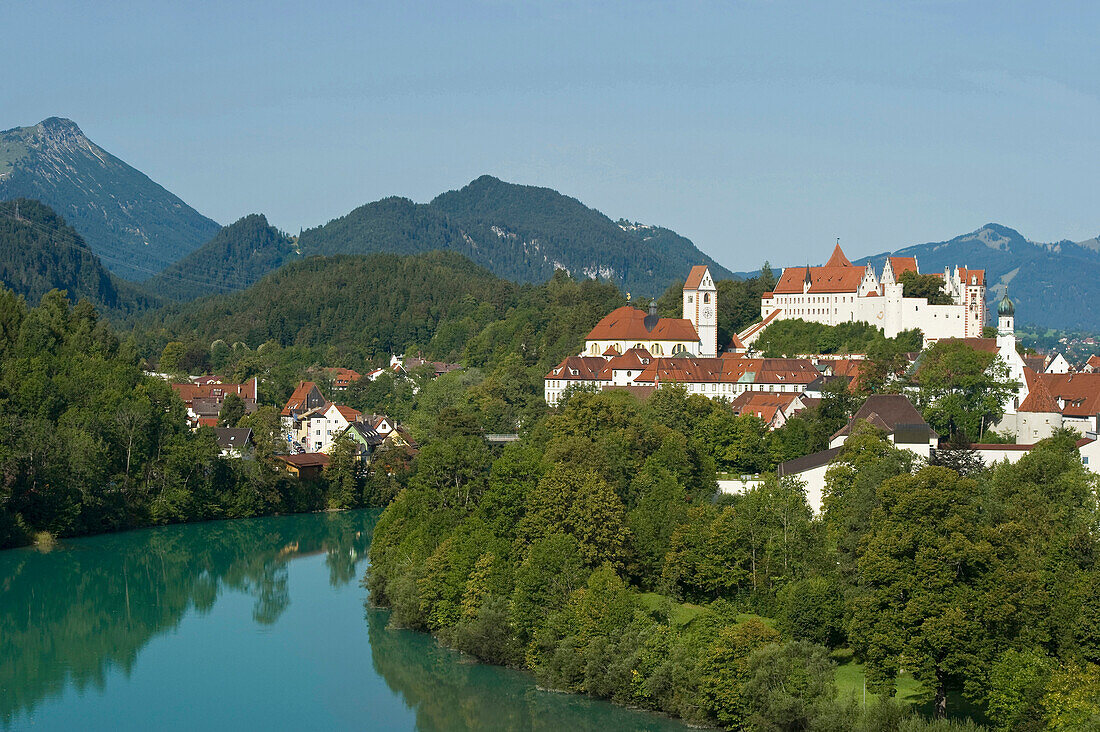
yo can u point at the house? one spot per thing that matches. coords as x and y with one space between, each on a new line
306 396
898 418
408 364
364 437
306 465
204 400
320 426
234 441
342 378
1092 366
774 408
892 413
1088 447
1058 365
842 292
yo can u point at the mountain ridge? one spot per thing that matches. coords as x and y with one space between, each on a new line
135 225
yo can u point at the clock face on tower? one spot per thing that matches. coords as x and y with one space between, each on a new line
707 312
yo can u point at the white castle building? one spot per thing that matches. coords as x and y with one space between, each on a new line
841 292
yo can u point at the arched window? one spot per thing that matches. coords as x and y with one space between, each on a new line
657 350
706 297
678 348
637 345
594 349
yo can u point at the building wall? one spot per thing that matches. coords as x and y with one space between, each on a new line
655 348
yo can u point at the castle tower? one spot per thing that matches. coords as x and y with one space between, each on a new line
701 308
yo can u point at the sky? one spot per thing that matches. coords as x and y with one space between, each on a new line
759 129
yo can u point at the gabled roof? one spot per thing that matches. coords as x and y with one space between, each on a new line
971 277
189 392
634 359
628 323
903 264
695 277
232 437
1078 393
1094 361
297 401
838 259
351 415
989 345
889 412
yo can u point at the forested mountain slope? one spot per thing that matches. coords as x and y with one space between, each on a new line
237 256
40 252
522 233
135 225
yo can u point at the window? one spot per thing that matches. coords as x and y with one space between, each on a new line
706 297
690 299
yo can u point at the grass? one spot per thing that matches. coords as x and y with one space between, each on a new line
680 613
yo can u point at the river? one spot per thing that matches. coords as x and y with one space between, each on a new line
247 624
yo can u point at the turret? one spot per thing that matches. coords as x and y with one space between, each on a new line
1006 316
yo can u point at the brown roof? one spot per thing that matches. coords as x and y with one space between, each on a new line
1040 400
826 279
343 377
977 275
903 264
838 259
748 401
755 327
695 277
348 413
634 359
807 462
628 323
989 345
189 392
1094 361
586 368
306 459
730 368
886 411
1078 393
1038 362
297 401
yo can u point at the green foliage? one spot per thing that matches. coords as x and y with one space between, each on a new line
237 256
928 286
1017 682
39 252
790 687
796 337
812 609
961 390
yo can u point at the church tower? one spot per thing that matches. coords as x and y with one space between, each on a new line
701 308
1006 325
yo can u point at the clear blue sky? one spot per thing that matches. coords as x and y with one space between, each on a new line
758 129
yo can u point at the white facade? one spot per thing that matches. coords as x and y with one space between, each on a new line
701 308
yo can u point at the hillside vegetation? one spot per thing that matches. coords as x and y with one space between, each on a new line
39 252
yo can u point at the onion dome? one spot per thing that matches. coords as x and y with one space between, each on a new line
1005 307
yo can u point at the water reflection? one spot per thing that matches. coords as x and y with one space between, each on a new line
450 692
69 617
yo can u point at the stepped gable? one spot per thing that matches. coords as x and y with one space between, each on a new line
1040 400
903 264
628 323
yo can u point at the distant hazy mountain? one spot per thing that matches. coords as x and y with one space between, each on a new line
133 224
39 252
237 256
1054 285
522 233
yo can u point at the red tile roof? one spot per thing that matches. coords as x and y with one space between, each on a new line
297 400
342 377
903 264
628 323
1040 400
634 359
587 368
828 279
838 259
351 415
1078 393
966 275
189 392
695 277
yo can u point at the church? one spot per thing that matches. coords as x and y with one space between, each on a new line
695 334
842 292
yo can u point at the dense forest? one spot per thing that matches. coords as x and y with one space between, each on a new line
595 554
237 256
39 252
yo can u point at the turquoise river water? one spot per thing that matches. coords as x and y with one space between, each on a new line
243 625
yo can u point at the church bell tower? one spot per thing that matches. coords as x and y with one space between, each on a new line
701 308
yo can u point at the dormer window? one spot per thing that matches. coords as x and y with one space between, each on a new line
574 372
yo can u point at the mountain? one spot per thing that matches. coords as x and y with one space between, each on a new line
237 256
135 226
522 233
379 302
40 252
1052 284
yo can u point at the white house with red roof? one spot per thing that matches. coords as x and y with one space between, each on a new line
842 292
